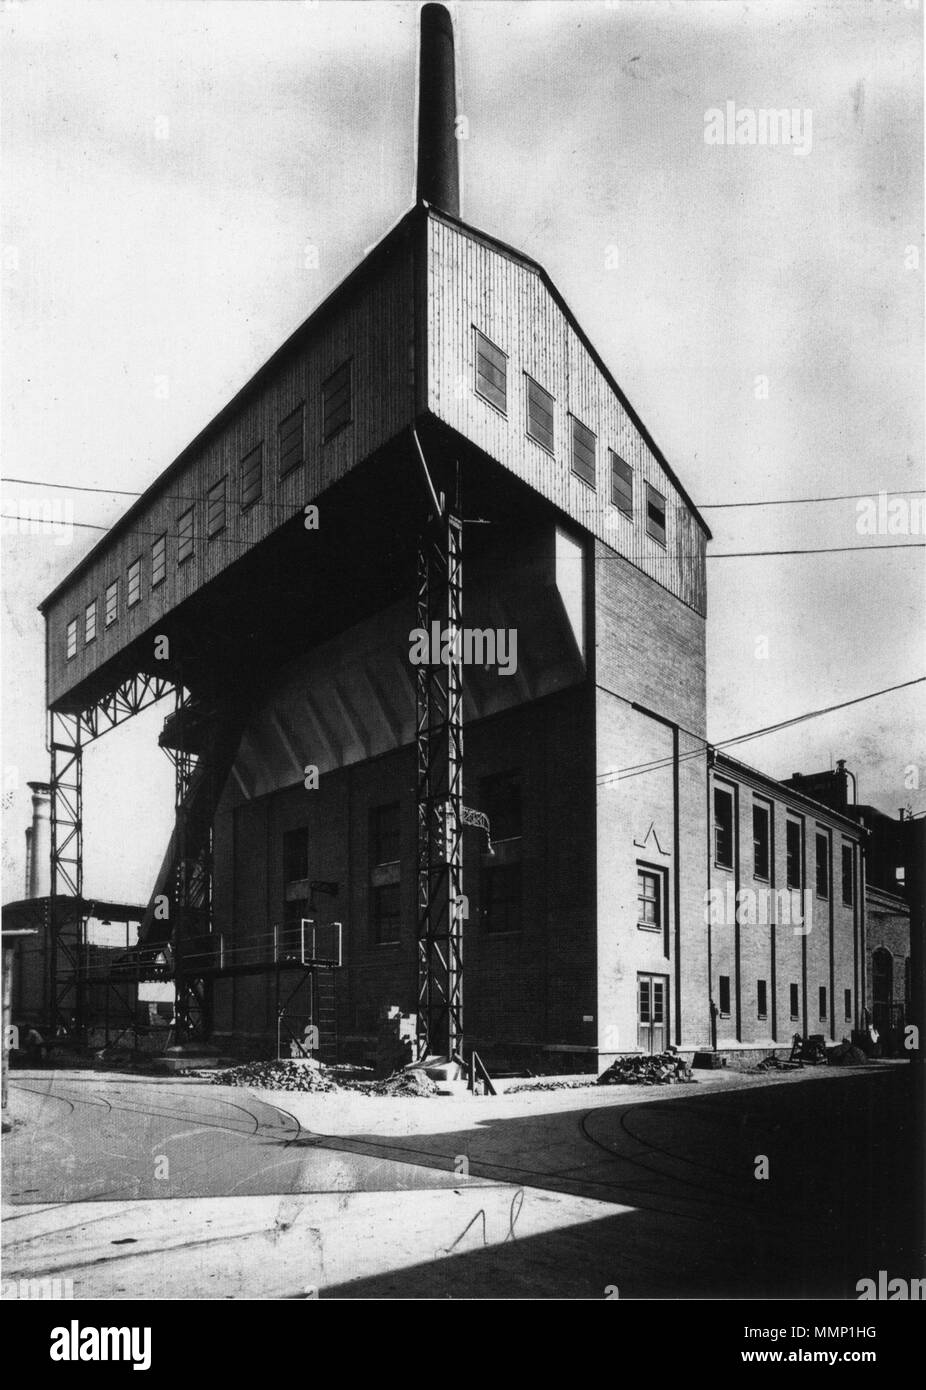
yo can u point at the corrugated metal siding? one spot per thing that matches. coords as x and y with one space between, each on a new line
473 285
374 326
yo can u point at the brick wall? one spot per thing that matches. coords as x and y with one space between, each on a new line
649 651
772 938
533 986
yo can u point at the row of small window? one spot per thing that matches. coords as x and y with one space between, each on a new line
763 849
723 1000
336 413
501 882
492 386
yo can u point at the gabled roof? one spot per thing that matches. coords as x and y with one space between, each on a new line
509 251
364 268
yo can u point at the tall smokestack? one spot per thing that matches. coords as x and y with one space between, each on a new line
39 842
438 169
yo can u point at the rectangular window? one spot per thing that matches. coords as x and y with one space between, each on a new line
823 866
90 621
848 996
72 639
823 1001
621 484
501 877
291 435
761 999
133 584
252 476
724 1001
295 855
761 840
583 452
384 834
539 414
723 828
795 1006
650 898
185 536
111 611
848 875
158 561
215 509
655 515
336 401
491 373
793 854
385 873
386 911
501 898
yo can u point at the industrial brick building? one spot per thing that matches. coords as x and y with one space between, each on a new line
788 955
336 852
888 999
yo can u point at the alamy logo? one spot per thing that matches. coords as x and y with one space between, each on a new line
76 1343
891 1290
733 125
474 646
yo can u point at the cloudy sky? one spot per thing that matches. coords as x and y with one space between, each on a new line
167 163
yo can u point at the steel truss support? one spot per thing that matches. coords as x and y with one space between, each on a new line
192 888
68 733
66 952
439 739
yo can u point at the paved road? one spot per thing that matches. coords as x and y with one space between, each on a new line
567 1195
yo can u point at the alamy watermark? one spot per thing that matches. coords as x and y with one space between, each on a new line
744 125
760 907
886 515
45 516
473 646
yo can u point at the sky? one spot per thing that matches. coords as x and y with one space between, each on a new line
168 162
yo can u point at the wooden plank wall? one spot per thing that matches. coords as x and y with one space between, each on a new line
472 284
375 326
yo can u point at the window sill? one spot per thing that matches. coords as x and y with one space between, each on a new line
621 511
550 453
654 927
592 487
328 438
499 410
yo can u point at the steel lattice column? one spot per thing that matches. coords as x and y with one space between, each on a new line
192 905
440 791
67 870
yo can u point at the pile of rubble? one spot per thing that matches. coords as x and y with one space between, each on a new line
277 1076
405 1083
567 1084
846 1054
665 1069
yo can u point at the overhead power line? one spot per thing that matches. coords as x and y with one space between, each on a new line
635 770
701 506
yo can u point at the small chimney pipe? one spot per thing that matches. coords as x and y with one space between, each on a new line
39 885
438 157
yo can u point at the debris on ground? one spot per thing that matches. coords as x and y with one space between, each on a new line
572 1083
405 1083
773 1063
664 1069
846 1054
277 1076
